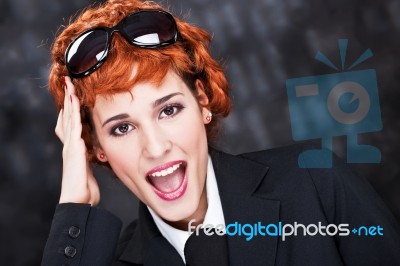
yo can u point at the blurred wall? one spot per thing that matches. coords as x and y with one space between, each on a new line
261 43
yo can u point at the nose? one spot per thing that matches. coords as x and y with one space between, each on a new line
155 142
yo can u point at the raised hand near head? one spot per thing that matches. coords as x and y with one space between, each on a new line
78 183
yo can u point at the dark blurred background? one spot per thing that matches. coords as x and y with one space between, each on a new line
261 43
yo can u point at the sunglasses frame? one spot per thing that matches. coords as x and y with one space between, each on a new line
119 28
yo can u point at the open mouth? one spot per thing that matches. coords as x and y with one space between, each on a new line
169 181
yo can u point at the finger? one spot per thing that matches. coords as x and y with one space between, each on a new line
73 131
69 92
59 126
76 123
66 97
66 112
70 85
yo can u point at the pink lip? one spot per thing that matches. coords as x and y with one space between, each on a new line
176 194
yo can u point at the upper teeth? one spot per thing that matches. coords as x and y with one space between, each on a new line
167 171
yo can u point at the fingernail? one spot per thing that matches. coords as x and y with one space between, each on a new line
65 83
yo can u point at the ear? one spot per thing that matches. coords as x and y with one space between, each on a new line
100 154
201 93
203 101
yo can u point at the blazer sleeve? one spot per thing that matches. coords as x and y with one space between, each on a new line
374 233
81 235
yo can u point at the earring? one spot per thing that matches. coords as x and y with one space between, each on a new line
209 117
102 156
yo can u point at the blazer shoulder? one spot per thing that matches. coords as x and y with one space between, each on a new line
341 191
326 187
288 154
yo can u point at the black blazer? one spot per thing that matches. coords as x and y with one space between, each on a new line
266 187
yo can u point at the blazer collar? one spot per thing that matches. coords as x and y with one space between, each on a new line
238 180
147 245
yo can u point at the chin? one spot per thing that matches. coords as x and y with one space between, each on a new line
182 209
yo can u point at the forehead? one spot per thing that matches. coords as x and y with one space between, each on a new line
142 94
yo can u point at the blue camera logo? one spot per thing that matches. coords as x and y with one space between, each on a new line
339 104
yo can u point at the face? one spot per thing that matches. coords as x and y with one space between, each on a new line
155 141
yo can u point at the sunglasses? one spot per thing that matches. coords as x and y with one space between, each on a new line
145 29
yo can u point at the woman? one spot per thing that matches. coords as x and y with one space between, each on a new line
138 92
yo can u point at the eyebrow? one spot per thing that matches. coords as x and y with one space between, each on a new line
117 117
165 98
155 104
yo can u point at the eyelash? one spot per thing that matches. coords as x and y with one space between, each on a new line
176 106
176 109
117 127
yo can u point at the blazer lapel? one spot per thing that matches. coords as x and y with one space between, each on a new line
147 246
238 180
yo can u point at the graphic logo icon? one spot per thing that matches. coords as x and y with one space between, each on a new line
340 104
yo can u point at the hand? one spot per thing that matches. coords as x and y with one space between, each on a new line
78 183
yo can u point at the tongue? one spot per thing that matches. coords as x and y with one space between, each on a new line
168 183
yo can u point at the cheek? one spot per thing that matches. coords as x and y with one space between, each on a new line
124 160
122 156
188 139
189 133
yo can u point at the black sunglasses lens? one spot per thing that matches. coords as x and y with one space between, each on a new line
87 51
144 29
150 28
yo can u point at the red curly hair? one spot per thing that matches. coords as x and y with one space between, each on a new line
189 57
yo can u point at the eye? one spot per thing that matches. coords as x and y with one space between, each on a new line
170 111
121 129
